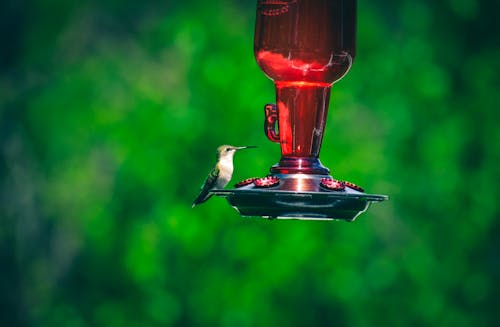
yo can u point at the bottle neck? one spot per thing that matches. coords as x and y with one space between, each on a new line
302 112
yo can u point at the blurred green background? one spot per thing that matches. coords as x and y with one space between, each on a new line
110 113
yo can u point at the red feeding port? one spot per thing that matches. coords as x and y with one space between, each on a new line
332 184
268 181
245 182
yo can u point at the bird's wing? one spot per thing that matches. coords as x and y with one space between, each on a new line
207 186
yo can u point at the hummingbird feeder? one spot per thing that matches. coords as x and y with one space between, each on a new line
304 46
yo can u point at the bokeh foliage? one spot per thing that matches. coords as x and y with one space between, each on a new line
110 112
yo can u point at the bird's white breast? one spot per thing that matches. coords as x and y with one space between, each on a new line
225 171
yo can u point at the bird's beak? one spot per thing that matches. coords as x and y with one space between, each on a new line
245 147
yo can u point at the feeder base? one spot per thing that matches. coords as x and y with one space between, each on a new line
299 205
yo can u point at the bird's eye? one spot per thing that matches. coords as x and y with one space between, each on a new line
228 149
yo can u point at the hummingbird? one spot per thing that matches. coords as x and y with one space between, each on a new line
221 174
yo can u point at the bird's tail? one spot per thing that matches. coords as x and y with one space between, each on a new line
204 196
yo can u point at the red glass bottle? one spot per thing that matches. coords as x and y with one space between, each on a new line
304 46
